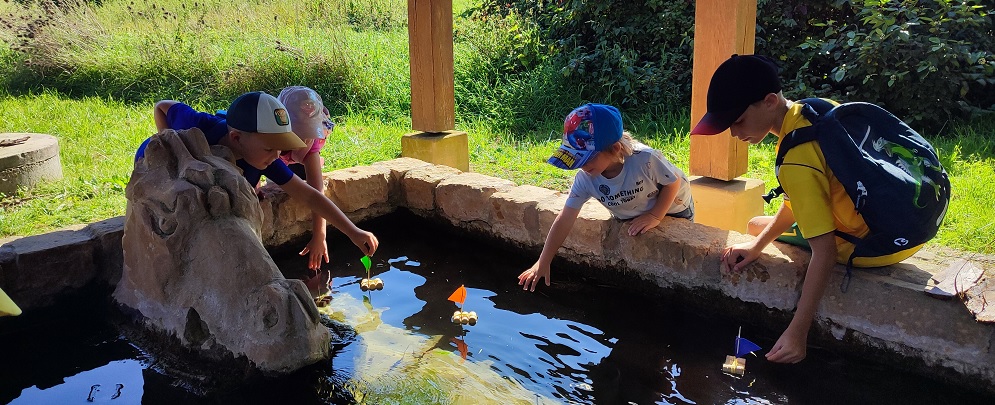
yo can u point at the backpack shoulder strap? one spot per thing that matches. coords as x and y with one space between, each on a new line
812 109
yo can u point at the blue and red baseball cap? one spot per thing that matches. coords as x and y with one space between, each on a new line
263 114
738 82
587 130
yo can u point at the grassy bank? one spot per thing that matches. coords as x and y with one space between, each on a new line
92 74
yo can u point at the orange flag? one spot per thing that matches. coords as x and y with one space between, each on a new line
459 296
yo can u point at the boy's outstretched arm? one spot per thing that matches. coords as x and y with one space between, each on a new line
317 202
650 219
737 256
791 346
159 113
558 233
317 248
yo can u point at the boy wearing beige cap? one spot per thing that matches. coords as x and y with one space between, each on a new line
257 128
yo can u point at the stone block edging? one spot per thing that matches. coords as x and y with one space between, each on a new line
882 309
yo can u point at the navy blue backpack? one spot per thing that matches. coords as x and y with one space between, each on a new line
891 173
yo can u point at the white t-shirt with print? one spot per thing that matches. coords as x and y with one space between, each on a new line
634 191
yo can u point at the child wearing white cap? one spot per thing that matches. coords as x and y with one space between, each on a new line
257 128
309 119
632 180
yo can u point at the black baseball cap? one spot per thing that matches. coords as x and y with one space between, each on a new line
738 82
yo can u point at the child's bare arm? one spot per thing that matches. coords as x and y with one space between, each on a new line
558 233
650 219
320 204
159 113
317 248
791 346
739 255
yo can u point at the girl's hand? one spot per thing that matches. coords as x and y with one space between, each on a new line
365 241
643 223
318 249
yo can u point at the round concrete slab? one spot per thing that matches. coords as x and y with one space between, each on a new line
27 159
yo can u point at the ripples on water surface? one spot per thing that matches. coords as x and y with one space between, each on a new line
576 342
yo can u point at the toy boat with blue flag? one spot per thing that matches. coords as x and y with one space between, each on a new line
737 364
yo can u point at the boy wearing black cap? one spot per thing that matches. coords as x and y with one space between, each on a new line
256 129
632 180
744 96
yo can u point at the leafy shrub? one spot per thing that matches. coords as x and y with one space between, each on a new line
926 61
634 54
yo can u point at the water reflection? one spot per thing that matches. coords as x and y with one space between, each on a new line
576 342
118 382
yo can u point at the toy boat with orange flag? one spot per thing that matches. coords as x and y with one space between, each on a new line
462 317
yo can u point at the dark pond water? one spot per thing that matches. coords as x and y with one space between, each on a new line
579 341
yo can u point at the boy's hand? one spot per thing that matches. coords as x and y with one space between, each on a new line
789 348
642 224
529 278
318 250
365 241
737 256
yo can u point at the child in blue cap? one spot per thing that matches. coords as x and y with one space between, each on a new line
257 129
629 178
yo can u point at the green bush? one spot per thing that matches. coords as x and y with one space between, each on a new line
926 61
634 54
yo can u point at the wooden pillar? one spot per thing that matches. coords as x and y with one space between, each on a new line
430 44
722 198
433 102
721 28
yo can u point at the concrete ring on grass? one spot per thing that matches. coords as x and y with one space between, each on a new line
27 159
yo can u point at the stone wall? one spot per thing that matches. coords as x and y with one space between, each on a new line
883 310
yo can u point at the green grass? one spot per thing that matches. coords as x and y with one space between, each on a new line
94 73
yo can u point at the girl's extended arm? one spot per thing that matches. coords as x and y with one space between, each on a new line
320 204
317 248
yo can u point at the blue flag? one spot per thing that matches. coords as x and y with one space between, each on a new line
745 347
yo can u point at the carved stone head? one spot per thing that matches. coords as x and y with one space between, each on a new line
195 266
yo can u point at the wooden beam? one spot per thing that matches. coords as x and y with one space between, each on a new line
430 45
721 28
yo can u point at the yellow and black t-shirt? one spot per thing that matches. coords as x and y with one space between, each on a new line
819 202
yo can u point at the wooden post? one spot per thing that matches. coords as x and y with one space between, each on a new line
430 44
433 100
722 198
721 28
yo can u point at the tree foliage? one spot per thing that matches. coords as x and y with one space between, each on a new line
928 61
